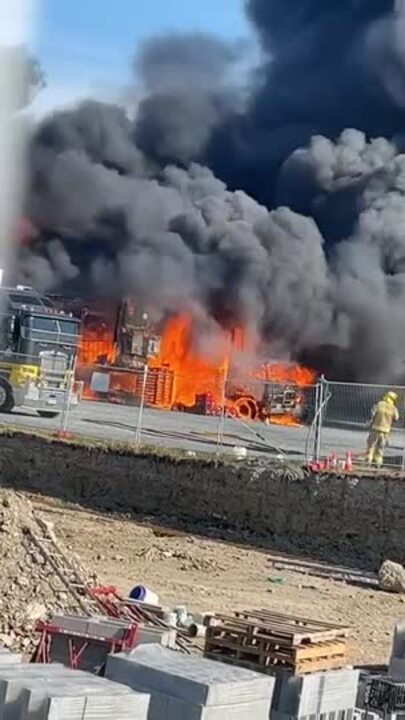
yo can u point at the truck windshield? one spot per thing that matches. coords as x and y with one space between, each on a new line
49 324
57 326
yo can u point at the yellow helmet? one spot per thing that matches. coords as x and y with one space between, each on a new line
392 397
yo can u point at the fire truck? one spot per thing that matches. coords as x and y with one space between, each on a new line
38 347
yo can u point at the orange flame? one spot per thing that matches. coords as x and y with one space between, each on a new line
97 347
290 374
195 375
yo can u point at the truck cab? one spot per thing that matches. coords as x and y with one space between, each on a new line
38 348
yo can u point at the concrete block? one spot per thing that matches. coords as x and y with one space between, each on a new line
316 694
253 710
396 668
133 706
92 701
28 692
165 707
100 627
160 636
195 680
10 658
398 641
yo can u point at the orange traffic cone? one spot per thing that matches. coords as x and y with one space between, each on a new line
349 462
333 461
62 434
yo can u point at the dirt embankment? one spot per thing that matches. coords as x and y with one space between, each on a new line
357 520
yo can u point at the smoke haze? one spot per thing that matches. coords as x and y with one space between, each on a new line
282 208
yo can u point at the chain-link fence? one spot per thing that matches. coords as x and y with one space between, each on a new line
346 421
266 417
208 411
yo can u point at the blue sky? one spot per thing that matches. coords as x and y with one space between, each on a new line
87 45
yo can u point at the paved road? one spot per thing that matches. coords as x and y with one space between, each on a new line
195 432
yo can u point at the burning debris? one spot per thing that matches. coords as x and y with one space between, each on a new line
183 377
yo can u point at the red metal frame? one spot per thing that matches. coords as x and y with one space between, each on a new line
78 644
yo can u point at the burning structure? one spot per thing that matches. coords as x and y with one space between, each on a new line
118 341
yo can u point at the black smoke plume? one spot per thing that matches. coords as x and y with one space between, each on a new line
313 257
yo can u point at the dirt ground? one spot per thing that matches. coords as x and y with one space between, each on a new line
207 575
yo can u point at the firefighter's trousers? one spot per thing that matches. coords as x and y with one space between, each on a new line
375 446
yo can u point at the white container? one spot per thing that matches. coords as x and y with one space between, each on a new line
140 593
197 631
182 615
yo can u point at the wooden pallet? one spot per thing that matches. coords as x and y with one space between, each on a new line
269 641
302 669
297 629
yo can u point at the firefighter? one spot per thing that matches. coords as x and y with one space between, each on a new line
383 415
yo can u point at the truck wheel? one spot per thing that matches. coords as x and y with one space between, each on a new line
47 414
6 396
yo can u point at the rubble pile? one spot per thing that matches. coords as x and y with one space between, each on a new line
29 588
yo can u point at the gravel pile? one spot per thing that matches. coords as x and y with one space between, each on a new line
30 588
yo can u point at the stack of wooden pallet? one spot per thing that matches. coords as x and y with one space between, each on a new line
266 641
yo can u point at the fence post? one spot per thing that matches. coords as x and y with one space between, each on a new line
138 434
320 399
68 396
221 419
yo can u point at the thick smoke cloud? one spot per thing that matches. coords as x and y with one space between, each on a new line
327 66
313 257
188 81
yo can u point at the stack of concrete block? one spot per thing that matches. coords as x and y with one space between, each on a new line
42 692
331 693
192 688
396 667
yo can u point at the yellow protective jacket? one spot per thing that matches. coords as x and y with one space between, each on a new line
383 415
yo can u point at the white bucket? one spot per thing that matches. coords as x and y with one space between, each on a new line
197 631
140 593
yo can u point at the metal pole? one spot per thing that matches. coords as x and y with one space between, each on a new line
322 396
318 427
138 435
313 427
68 395
221 419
